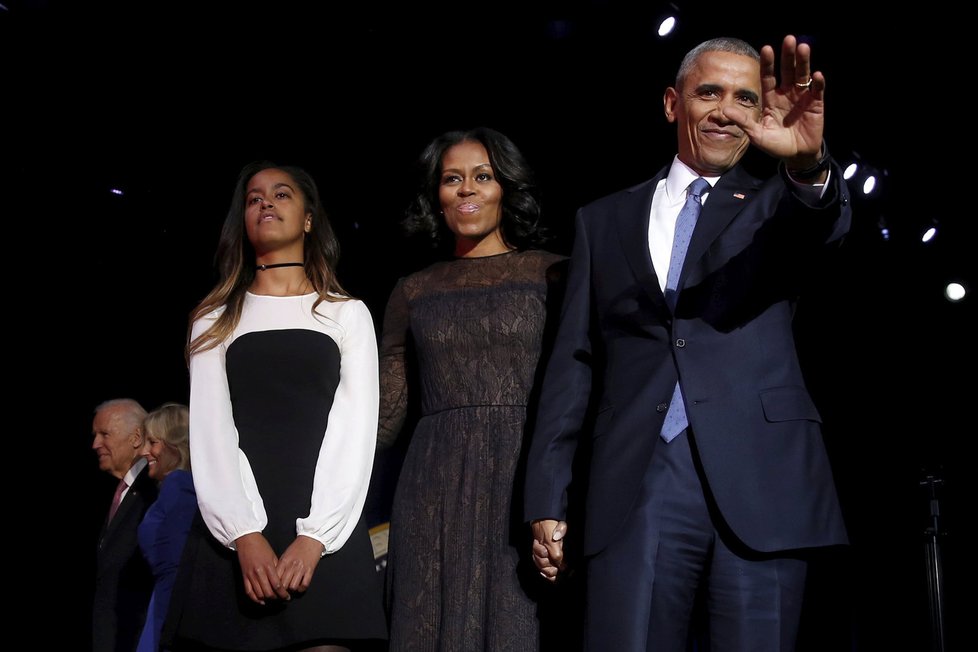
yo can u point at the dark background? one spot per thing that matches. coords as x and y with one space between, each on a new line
167 101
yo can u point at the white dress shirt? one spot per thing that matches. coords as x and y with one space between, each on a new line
667 201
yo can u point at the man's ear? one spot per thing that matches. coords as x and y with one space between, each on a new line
669 99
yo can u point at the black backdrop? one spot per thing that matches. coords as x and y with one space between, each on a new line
167 101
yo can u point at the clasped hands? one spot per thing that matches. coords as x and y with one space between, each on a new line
548 547
269 577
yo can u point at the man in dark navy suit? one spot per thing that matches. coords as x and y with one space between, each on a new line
123 581
731 493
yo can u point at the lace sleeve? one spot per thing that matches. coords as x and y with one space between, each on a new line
393 368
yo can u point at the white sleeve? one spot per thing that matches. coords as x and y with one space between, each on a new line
347 453
227 493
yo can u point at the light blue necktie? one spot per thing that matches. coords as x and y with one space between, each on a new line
675 420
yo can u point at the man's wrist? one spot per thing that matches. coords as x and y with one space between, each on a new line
813 171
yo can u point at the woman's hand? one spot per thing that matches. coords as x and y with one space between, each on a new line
258 568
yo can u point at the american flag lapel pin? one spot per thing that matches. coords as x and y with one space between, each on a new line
739 195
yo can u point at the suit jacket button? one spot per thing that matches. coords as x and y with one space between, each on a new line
661 407
680 343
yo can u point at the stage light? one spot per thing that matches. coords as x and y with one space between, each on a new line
929 233
955 292
666 26
869 184
884 229
869 180
862 176
116 191
668 21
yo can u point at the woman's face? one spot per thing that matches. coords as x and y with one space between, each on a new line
275 214
161 457
470 196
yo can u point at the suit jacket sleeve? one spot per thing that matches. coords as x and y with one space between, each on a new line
566 393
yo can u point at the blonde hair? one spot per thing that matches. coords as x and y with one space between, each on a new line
170 423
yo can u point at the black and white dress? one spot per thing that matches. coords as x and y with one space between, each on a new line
283 424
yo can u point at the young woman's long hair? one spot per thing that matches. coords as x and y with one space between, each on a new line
235 258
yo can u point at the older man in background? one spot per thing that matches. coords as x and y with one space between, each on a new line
123 580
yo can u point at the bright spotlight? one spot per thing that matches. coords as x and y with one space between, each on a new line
864 176
955 292
667 25
929 234
869 184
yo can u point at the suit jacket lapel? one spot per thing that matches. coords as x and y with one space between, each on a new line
632 221
126 505
729 196
137 488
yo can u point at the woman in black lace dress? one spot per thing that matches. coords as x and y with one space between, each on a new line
471 331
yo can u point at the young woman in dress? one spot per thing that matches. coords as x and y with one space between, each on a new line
283 414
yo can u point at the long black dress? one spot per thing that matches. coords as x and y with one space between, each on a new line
454 573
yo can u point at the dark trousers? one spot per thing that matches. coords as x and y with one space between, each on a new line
674 553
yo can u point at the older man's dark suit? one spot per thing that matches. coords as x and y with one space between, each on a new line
123 581
619 351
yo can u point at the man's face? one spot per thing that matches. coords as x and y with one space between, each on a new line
115 445
709 142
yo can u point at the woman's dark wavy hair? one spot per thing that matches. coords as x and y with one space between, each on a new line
235 257
520 221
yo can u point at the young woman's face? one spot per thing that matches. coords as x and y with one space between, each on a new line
275 213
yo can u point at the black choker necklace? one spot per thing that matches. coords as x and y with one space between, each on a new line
262 268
